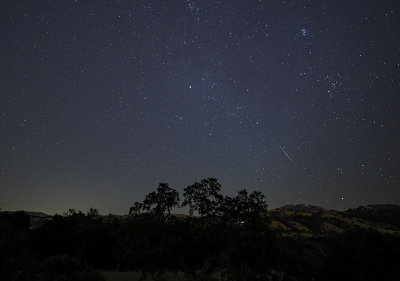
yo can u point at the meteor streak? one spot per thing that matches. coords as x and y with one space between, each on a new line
285 153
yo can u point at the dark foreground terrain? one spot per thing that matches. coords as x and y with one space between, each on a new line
229 238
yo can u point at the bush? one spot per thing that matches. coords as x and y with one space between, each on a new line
66 268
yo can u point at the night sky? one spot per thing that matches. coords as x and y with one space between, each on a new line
102 100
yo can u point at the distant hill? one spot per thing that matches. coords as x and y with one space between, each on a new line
308 220
384 215
301 208
31 214
36 218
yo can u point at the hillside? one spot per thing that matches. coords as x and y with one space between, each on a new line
306 243
308 220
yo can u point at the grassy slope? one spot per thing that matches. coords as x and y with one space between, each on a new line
307 223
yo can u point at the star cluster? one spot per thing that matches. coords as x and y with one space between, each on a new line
101 100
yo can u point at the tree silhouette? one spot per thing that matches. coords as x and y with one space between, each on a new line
93 213
160 202
136 209
246 209
203 197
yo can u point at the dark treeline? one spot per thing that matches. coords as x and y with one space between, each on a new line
225 237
